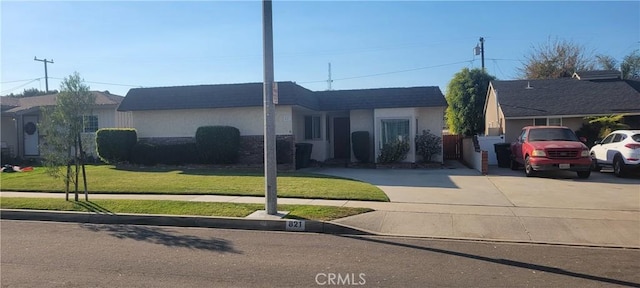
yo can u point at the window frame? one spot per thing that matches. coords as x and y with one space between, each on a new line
87 123
314 123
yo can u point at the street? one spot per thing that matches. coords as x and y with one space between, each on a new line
51 254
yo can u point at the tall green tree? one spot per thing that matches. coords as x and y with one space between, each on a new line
556 59
466 94
62 126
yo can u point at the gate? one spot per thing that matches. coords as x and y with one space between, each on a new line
452 147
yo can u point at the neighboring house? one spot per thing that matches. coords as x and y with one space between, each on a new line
20 118
511 105
324 119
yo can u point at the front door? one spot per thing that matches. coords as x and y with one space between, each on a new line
30 132
341 138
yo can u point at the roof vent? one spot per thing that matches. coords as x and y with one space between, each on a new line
528 85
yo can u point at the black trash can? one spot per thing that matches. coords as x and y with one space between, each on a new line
303 155
503 153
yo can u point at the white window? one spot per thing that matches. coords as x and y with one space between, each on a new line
90 123
312 127
394 129
555 121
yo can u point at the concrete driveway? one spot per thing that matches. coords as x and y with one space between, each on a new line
458 202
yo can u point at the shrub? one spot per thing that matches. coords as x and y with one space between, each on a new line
428 145
114 145
172 154
145 154
284 151
361 145
218 144
395 151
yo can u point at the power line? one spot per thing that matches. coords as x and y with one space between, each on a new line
105 83
18 87
14 81
390 72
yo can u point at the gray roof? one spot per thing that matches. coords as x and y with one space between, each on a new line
597 74
566 96
381 98
289 93
33 103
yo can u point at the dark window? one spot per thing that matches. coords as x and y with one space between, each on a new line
312 127
90 123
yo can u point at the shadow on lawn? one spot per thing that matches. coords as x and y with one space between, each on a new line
93 207
221 171
162 236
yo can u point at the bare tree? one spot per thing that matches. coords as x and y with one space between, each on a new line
556 59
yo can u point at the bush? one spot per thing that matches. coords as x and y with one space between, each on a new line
428 145
361 145
392 152
114 145
218 144
145 154
284 151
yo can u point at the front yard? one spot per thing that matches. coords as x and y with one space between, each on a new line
172 180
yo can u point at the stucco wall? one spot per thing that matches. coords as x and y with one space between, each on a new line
9 134
320 146
184 123
397 113
432 119
493 117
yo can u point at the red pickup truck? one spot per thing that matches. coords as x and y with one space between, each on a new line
545 148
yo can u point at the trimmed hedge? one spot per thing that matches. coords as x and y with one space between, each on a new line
361 145
393 152
173 154
218 144
114 144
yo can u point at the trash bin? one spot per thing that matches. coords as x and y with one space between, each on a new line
303 154
503 153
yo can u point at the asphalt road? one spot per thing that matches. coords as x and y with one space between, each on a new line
51 254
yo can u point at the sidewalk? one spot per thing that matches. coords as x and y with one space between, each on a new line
454 221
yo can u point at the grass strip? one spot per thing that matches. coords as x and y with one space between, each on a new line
181 180
170 207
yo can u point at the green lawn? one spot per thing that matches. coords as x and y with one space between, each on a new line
108 179
166 207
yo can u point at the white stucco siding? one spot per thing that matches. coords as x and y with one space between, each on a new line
106 117
493 118
432 119
320 146
362 120
396 113
184 123
9 134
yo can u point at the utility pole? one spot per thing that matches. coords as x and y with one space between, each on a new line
46 76
270 168
330 80
479 50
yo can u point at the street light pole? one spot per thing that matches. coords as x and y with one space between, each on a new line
270 168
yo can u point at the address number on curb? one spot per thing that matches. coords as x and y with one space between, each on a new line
295 225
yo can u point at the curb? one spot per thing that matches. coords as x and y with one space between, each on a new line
285 225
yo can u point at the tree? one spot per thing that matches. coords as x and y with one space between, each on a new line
556 59
32 92
630 65
466 94
62 126
606 62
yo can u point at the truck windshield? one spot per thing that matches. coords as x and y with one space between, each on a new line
552 134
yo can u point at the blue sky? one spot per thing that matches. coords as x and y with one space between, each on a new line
117 45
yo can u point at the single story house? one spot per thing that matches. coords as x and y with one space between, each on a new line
324 119
511 105
20 118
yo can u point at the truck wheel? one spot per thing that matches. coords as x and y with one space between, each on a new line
528 170
513 165
594 164
584 174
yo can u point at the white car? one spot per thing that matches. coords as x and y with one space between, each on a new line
620 150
